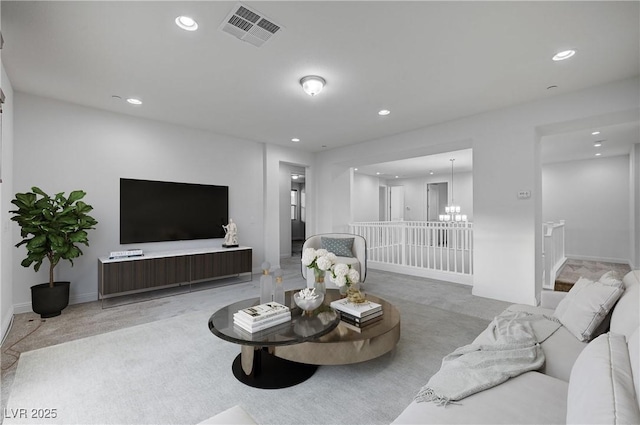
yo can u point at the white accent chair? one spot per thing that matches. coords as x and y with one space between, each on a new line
358 261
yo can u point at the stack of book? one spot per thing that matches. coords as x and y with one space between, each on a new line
260 317
358 315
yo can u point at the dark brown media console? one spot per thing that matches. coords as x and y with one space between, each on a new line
119 276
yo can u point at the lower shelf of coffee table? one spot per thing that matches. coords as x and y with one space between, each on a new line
271 372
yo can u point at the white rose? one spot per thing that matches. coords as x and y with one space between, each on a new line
340 269
321 252
308 256
353 275
323 263
331 256
340 281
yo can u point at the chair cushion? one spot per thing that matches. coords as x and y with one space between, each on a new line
339 246
586 305
601 389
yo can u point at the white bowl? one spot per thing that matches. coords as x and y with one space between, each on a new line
308 305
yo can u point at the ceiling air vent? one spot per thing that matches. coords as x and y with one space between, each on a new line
249 25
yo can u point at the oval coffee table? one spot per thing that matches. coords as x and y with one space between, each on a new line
344 345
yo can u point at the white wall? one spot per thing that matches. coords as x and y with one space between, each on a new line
366 197
6 194
506 160
61 147
415 194
593 197
634 205
273 157
285 206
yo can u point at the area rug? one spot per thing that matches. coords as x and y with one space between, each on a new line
175 371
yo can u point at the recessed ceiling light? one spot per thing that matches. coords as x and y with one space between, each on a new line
355 169
134 101
378 173
295 139
597 144
431 173
552 87
595 133
384 112
565 54
396 176
598 154
186 23
295 177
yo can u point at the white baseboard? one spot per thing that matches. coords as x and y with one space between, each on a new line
464 279
6 322
603 259
75 299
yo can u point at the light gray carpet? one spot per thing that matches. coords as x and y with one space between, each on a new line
175 371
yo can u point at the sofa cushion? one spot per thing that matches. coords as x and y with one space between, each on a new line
601 389
625 318
530 398
634 354
560 349
586 305
342 247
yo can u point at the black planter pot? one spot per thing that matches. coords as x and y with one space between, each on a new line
49 302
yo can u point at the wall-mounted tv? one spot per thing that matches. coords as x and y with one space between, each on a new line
154 211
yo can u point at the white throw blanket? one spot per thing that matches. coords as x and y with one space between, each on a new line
507 348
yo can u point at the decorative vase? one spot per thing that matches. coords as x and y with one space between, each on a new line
319 284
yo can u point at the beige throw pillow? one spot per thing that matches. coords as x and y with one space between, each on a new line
586 305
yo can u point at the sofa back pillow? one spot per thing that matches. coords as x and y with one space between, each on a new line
601 388
625 318
586 305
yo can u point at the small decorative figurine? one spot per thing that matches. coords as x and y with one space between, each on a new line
231 234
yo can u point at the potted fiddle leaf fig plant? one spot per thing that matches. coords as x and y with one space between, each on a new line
51 227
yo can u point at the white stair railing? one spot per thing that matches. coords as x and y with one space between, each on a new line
552 252
444 248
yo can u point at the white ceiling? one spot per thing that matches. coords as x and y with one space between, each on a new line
426 61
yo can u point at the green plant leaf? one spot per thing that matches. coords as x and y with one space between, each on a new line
75 196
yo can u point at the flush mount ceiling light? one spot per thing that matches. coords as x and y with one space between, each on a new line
312 84
565 54
598 143
134 101
384 112
186 23
595 133
598 154
295 140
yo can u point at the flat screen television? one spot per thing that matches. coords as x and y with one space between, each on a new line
154 211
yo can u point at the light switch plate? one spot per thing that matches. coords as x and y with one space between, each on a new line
524 194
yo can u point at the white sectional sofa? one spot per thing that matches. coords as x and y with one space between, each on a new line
581 382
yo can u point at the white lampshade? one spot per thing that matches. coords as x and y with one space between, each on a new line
312 84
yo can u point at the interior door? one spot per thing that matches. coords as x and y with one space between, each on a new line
436 200
397 203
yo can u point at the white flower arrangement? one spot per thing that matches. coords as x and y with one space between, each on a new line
342 274
319 259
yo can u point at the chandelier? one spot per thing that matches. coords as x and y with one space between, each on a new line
452 211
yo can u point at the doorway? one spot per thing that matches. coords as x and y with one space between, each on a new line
298 211
436 200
